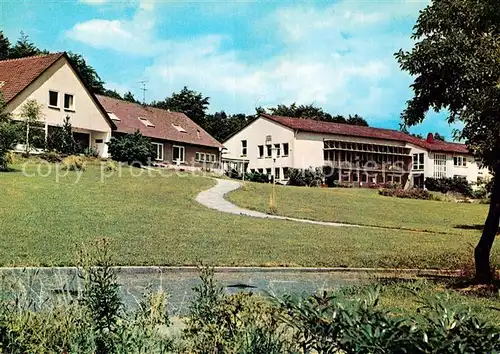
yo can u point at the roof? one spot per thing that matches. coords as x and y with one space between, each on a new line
314 126
164 123
17 74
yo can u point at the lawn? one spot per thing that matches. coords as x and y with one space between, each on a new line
365 207
154 220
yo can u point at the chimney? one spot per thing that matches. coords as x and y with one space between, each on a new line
430 138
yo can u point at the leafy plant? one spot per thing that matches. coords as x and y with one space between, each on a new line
61 139
305 177
447 184
134 149
413 193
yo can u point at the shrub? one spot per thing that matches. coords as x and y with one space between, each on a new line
91 152
51 156
305 177
134 149
413 193
445 185
61 139
73 163
257 177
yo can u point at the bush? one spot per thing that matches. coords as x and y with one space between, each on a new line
413 193
91 152
61 139
257 177
134 149
51 156
445 185
305 177
73 163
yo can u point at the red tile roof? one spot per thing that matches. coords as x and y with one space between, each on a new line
17 74
314 126
163 122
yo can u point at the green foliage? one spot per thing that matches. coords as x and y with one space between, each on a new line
412 193
9 135
112 94
310 177
23 48
448 184
257 177
34 135
91 152
221 125
73 163
4 46
329 323
132 149
189 102
240 323
87 73
129 96
312 112
61 139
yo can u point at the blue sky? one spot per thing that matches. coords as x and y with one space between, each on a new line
335 54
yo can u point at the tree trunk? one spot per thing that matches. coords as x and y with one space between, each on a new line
483 249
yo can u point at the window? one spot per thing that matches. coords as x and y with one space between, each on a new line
418 161
285 149
364 177
197 156
355 177
261 171
146 122
113 116
261 150
53 99
268 171
212 157
439 165
285 172
69 102
159 151
269 149
278 149
178 154
179 128
277 173
460 161
99 141
244 148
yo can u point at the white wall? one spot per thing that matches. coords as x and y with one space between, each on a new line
255 135
86 116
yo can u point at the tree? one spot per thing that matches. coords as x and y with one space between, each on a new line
312 112
189 102
9 134
23 48
88 74
129 96
32 114
221 126
455 64
61 139
4 46
134 149
357 120
112 94
438 136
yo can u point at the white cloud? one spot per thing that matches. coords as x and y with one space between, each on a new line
340 57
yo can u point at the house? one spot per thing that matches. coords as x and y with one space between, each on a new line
53 82
178 140
358 156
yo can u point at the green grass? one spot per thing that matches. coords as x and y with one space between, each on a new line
154 220
364 207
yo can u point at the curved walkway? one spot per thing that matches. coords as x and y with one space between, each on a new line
213 198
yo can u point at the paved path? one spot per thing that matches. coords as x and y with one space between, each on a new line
213 198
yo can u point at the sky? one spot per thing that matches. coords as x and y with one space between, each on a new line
338 55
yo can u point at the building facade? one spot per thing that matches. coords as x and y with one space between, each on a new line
52 82
358 156
179 142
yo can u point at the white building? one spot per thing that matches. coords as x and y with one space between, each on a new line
53 82
358 155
